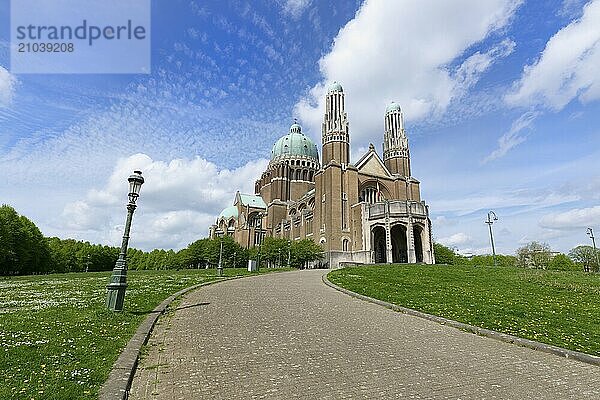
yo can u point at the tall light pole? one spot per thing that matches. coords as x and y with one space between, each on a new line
260 217
279 263
118 281
491 217
289 252
220 266
590 233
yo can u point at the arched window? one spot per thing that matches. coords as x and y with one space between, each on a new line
345 244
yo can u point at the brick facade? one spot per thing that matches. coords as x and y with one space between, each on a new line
367 212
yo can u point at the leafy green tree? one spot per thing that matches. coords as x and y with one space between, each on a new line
443 254
534 255
69 255
561 262
275 251
23 249
585 257
305 251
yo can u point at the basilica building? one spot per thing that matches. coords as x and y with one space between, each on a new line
365 212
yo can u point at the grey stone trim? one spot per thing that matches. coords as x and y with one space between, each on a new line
119 380
503 337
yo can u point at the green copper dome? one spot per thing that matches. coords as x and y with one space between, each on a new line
393 107
335 87
294 144
229 212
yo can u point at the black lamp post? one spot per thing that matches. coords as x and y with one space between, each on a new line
590 233
220 266
491 217
260 217
118 281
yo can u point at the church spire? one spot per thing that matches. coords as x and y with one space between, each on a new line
396 155
336 140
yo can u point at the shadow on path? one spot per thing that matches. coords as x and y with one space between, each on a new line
191 305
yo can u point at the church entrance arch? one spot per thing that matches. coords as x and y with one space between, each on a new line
417 235
399 247
378 241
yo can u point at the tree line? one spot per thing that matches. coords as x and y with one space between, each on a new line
532 255
25 251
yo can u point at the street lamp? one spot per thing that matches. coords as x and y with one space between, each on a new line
279 263
220 266
118 281
491 217
590 233
260 217
87 262
289 252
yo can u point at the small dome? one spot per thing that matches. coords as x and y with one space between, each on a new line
335 87
229 212
392 107
295 144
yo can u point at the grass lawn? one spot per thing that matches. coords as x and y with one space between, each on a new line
58 340
554 307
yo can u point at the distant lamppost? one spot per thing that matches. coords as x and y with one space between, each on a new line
118 281
260 217
279 263
491 217
590 233
289 252
87 262
220 266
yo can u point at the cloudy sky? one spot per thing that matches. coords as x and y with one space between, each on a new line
500 99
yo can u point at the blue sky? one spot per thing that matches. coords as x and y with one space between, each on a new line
500 100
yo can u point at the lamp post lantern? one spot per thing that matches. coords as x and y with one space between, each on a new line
491 217
118 281
590 233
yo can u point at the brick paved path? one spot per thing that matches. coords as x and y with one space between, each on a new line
287 335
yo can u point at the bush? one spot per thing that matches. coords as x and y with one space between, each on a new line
443 254
561 262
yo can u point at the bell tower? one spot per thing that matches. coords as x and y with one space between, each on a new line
396 155
336 140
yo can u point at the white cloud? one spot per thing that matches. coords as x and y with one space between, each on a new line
567 68
513 137
389 51
295 8
471 69
7 87
178 201
578 218
458 239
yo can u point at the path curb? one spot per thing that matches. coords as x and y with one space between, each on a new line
503 337
121 376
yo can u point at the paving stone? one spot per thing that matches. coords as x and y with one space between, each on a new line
288 336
